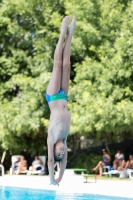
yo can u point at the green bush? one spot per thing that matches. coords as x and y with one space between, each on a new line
86 161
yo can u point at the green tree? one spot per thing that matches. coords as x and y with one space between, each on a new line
101 91
29 30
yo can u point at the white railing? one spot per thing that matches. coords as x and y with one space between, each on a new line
2 170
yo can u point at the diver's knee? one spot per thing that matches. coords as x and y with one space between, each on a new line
58 63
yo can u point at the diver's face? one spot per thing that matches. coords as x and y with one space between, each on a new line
59 150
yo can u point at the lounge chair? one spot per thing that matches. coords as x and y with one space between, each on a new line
1 164
130 173
13 160
2 170
106 170
41 171
120 174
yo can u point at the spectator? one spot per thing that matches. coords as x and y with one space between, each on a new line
22 165
119 160
129 163
37 164
106 162
129 166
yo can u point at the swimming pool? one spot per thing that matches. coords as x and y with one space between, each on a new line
13 193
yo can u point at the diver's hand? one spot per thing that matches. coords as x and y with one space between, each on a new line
58 180
54 183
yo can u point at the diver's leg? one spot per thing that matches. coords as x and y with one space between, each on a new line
66 57
55 80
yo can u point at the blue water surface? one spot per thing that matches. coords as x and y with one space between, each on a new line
13 193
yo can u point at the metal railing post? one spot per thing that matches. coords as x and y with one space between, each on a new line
2 168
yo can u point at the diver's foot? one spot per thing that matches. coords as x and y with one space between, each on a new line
71 27
64 26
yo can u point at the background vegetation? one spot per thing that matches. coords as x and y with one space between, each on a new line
101 90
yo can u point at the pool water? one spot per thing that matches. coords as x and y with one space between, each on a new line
13 193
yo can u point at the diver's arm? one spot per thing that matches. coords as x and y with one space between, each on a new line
51 161
63 164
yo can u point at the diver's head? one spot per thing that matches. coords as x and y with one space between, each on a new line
59 150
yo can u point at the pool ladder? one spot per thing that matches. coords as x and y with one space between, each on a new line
2 169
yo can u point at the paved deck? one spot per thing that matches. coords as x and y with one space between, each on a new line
71 185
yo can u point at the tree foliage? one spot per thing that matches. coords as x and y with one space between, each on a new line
101 98
101 91
28 34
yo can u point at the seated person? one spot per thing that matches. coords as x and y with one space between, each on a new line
119 160
129 166
22 165
36 164
106 162
126 165
129 163
122 166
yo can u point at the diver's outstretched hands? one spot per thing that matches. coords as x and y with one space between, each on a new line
54 182
58 180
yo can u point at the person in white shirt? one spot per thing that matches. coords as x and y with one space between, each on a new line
119 158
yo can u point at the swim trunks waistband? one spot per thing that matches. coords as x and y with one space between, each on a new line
61 95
